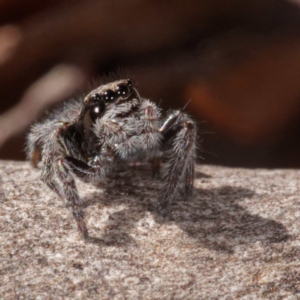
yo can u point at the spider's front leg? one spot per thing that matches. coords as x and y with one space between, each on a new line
54 163
179 132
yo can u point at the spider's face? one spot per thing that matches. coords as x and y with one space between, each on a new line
107 97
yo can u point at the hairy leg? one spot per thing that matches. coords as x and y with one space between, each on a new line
71 194
180 134
85 171
57 175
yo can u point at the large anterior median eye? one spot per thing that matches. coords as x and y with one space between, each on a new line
97 110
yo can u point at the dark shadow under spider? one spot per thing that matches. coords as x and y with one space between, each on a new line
228 220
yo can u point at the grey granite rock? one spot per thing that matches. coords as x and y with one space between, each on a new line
239 237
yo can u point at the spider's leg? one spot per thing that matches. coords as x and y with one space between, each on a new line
189 177
149 121
71 194
40 144
49 153
53 164
47 177
180 137
85 171
150 116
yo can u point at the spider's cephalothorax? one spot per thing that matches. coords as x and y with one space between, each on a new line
112 124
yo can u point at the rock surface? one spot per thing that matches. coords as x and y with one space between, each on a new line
239 237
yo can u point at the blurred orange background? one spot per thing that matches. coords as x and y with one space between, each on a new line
237 61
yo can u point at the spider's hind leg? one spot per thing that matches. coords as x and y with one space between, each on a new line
179 132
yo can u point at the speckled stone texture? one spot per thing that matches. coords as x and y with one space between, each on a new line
238 238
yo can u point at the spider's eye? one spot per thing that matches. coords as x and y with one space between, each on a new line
97 110
109 96
124 89
96 97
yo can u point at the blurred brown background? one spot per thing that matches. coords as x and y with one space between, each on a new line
237 60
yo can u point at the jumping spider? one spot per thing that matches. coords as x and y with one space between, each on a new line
112 124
